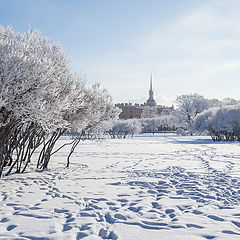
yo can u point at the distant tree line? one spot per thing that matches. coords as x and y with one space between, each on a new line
194 115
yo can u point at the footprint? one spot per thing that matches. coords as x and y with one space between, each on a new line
105 234
152 191
120 216
11 227
181 208
209 236
134 209
123 195
236 223
236 214
156 205
197 212
100 199
168 211
85 226
176 226
70 220
84 214
172 215
111 208
56 210
216 218
65 196
81 235
12 204
189 225
4 220
34 208
66 227
230 232
123 200
109 218
68 215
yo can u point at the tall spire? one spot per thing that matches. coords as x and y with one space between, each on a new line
151 101
151 83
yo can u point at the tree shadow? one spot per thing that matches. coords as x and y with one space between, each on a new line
201 141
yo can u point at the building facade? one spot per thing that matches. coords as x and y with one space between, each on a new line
130 110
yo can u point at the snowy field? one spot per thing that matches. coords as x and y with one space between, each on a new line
146 188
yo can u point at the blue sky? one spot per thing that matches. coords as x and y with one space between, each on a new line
190 46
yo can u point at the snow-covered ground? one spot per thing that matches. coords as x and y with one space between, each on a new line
146 188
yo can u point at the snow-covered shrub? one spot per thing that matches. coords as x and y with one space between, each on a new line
124 128
223 124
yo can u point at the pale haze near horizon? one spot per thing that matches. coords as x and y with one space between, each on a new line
189 46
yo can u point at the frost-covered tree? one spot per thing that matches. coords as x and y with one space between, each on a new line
40 98
229 102
189 106
160 123
221 103
149 114
214 103
35 79
93 116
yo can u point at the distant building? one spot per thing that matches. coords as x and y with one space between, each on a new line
130 110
